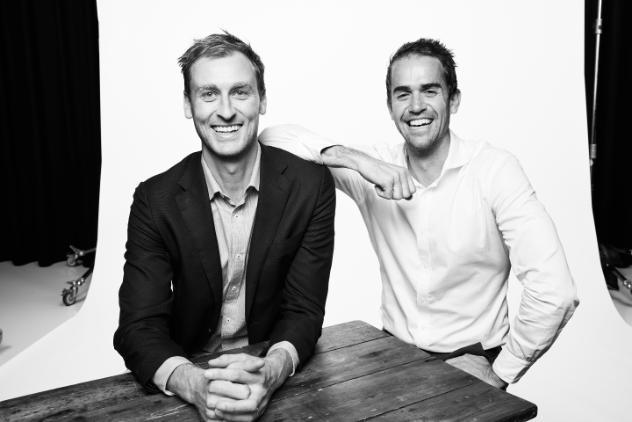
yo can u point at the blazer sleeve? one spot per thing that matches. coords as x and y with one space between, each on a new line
145 296
305 290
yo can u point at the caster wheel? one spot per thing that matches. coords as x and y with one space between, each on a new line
71 260
69 298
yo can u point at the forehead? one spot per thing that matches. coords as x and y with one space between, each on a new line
222 71
415 70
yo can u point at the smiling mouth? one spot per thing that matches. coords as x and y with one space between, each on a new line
419 122
224 129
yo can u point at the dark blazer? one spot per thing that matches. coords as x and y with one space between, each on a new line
171 242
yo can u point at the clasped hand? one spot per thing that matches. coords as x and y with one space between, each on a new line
240 386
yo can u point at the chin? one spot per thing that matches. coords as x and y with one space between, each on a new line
228 151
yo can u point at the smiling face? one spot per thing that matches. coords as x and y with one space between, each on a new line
224 104
420 104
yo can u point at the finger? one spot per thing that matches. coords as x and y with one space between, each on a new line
237 417
211 401
233 375
411 184
210 415
229 389
397 188
251 365
231 358
403 181
385 191
242 406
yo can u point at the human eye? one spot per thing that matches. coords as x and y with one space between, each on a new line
431 92
402 96
208 95
241 93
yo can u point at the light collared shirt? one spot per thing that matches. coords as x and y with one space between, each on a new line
445 254
233 219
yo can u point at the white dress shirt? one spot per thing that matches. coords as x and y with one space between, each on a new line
233 219
445 254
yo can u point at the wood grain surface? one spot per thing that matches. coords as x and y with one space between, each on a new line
357 373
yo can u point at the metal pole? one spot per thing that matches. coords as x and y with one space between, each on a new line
593 139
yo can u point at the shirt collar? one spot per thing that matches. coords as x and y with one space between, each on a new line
213 186
460 153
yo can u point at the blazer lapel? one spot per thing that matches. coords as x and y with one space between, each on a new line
273 195
195 206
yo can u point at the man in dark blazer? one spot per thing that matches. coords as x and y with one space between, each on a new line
231 246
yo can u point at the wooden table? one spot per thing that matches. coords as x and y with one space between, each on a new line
357 373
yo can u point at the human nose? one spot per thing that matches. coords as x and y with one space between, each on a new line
417 103
226 110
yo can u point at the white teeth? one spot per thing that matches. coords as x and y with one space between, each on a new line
226 129
419 122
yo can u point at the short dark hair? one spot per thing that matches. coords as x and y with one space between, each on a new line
220 45
431 48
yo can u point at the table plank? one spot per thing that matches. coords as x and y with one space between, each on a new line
350 362
346 334
476 402
371 395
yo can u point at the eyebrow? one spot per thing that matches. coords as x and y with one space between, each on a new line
242 85
210 87
424 87
213 87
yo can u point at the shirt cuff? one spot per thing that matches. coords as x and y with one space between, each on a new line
509 367
161 377
289 347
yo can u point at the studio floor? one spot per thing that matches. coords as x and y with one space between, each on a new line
31 303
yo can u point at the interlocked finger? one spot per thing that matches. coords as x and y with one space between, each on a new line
232 375
229 389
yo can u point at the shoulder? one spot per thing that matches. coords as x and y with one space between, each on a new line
488 159
499 173
175 173
293 165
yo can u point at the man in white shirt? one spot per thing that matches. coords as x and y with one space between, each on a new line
469 215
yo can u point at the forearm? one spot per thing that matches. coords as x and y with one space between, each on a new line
296 140
185 382
279 367
534 330
340 156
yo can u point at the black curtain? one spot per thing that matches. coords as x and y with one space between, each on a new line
49 128
612 171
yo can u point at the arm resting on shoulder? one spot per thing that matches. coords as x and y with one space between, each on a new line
391 181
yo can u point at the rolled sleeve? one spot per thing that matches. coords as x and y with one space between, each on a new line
549 296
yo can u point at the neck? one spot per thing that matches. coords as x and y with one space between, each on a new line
426 165
232 173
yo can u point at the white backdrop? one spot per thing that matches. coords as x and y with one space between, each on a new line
520 68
